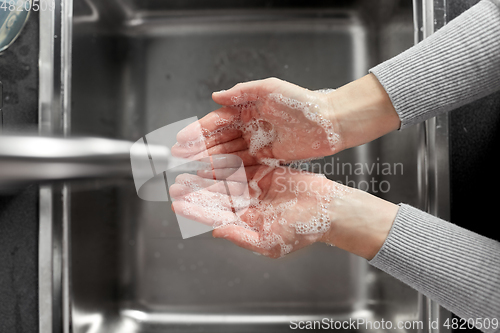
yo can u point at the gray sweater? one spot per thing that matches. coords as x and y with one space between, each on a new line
457 65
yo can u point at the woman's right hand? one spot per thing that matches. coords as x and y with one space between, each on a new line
272 121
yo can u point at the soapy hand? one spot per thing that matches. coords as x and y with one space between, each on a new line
263 122
283 210
280 210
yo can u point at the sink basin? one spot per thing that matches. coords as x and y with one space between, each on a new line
137 67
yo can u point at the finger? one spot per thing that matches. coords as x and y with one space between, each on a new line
195 183
214 120
217 161
187 150
222 161
222 136
225 195
228 147
222 166
249 174
226 136
222 174
202 156
178 191
244 155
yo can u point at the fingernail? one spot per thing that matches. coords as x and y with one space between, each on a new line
220 91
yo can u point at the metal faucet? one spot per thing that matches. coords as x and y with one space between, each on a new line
28 159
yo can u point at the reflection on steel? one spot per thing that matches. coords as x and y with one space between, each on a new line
242 319
430 16
92 17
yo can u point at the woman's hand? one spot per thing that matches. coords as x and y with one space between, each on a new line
285 210
272 121
265 120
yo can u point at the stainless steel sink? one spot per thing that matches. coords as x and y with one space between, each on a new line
120 263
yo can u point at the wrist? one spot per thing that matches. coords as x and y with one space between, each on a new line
363 111
360 223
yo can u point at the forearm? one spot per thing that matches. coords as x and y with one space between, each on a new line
458 64
455 267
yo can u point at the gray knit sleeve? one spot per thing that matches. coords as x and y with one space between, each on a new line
457 268
455 66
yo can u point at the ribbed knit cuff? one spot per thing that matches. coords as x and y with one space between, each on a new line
453 266
455 66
